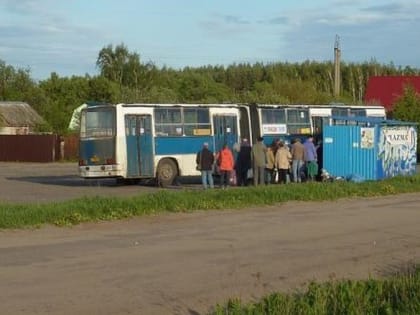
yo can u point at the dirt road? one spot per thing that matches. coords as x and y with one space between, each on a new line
186 263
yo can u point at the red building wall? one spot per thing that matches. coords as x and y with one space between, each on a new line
385 90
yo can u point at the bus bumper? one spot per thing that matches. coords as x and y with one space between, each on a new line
100 171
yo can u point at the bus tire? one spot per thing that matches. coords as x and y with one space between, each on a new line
167 172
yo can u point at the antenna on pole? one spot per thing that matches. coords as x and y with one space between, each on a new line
337 61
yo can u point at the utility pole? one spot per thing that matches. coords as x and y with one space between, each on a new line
337 57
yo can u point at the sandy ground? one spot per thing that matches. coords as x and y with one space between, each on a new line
186 263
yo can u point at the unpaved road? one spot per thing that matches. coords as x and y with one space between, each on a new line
186 263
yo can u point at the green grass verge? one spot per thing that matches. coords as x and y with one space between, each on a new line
396 295
102 208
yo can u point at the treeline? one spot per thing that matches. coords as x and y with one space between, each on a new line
123 77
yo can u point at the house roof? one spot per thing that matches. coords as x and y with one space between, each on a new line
18 114
385 90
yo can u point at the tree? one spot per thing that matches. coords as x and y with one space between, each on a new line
407 108
63 96
111 62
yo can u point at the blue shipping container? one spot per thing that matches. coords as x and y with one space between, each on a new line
375 151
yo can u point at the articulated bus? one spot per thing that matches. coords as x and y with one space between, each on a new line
134 141
130 142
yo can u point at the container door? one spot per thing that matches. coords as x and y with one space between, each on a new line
139 141
225 131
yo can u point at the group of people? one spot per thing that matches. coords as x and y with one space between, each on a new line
277 163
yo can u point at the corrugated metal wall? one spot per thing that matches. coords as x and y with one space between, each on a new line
345 154
38 148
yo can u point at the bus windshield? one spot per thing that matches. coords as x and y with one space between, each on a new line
97 123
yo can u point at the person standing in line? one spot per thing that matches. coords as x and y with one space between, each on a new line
271 161
298 160
226 162
283 159
310 158
205 160
258 157
243 163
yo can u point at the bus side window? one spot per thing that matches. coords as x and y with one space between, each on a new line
196 121
168 121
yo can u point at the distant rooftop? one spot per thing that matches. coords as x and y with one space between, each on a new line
385 90
18 114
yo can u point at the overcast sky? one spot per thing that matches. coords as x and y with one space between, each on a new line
65 36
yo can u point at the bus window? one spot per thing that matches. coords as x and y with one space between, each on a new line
340 112
273 121
358 112
298 121
273 116
168 122
97 124
196 122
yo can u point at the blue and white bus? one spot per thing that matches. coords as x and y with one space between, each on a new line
135 141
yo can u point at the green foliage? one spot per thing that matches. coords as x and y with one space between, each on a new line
407 108
125 78
399 294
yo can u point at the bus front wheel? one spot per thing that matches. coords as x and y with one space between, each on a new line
167 172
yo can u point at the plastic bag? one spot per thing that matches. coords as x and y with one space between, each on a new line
232 178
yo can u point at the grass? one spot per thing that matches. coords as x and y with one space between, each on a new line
102 208
399 294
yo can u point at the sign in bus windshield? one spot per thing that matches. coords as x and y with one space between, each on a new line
274 129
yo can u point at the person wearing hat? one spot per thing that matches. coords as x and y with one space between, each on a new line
205 160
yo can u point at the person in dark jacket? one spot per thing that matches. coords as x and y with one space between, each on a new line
205 160
243 163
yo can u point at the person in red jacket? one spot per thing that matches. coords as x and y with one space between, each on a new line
226 163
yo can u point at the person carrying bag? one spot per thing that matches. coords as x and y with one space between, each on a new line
226 162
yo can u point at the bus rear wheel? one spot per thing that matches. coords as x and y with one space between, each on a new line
167 172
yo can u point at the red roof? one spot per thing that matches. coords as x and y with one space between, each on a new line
385 90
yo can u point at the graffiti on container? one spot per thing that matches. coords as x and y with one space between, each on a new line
397 150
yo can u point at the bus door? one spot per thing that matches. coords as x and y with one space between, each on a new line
318 122
225 131
139 141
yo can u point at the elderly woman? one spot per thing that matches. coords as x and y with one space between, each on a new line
283 159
